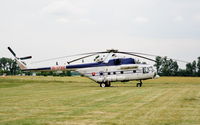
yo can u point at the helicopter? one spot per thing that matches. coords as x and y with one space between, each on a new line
104 70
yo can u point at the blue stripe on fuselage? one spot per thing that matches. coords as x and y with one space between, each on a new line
111 62
38 69
88 65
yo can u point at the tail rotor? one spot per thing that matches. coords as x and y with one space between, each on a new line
21 64
21 58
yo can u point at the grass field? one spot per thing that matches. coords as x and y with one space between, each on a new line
78 100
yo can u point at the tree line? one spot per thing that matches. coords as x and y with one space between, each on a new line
164 66
169 67
9 67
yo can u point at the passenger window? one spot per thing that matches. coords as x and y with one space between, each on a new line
122 72
148 70
101 73
114 73
134 71
108 73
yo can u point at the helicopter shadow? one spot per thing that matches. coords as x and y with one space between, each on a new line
114 87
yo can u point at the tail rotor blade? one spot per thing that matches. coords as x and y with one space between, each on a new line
22 58
27 57
12 51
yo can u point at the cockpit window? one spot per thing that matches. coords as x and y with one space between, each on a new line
151 68
145 70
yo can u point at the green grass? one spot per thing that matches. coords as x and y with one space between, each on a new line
78 100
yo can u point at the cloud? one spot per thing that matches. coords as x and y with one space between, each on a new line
64 7
86 20
196 18
81 20
63 20
65 11
178 19
141 20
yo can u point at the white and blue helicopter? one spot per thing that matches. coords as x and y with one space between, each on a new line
105 70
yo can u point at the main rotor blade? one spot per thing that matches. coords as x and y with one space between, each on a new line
137 56
143 54
85 57
178 60
12 51
45 60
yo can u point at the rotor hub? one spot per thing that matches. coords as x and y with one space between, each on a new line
112 50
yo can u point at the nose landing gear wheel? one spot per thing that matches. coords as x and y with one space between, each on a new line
102 85
139 84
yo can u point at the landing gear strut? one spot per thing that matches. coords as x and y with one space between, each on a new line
108 84
139 84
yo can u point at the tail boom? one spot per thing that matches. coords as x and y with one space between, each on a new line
21 64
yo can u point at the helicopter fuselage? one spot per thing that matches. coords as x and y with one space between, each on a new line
124 69
119 73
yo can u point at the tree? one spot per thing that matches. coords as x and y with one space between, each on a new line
189 69
158 64
168 67
3 64
68 73
198 66
8 66
165 67
182 72
174 68
194 68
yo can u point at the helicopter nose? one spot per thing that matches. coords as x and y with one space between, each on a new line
156 75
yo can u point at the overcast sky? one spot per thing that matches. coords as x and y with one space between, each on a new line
52 28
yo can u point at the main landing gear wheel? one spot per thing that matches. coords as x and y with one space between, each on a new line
102 85
105 84
139 84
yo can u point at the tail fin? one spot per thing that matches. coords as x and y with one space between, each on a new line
21 64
